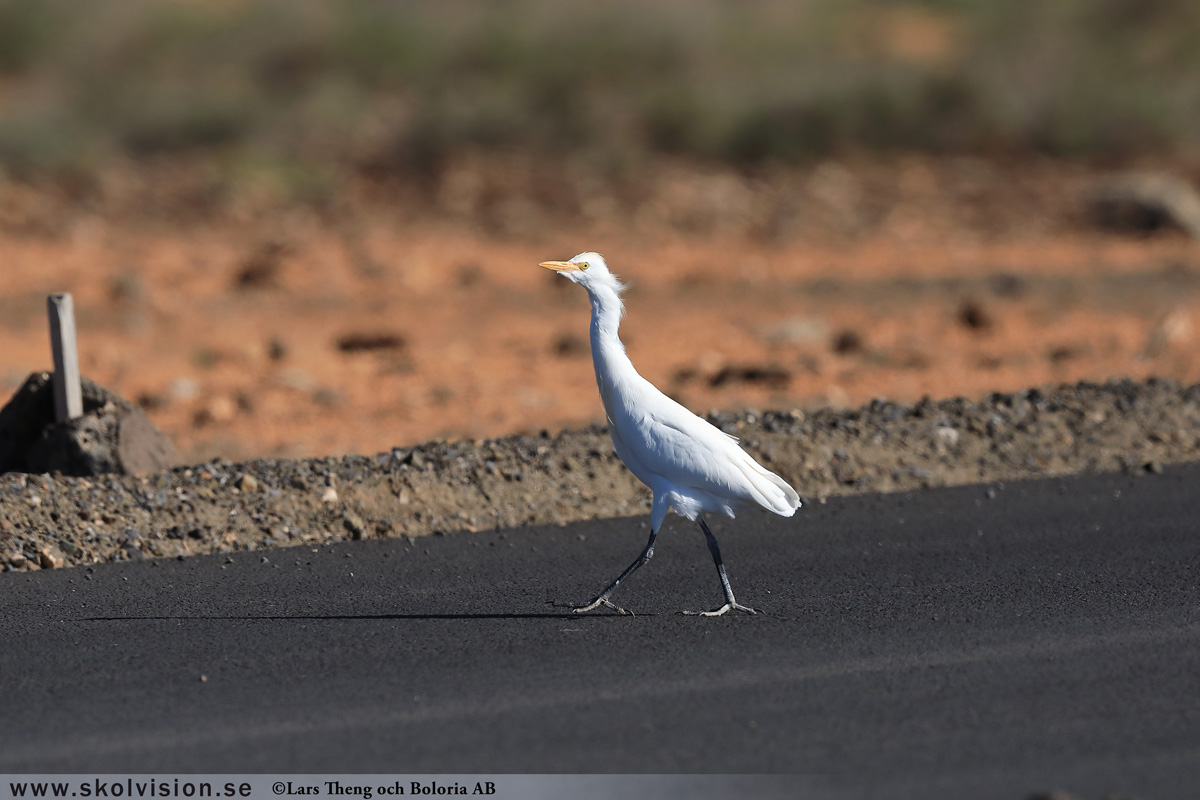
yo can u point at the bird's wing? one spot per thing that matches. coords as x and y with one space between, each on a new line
664 439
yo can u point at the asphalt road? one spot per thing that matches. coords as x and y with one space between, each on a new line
974 642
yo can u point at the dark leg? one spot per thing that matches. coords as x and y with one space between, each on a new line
602 599
730 603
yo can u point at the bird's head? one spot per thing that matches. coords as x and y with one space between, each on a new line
588 270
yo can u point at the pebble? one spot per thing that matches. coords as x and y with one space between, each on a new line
354 524
948 436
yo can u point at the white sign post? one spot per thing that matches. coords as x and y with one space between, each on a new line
68 396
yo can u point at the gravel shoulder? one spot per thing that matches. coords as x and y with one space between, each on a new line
442 487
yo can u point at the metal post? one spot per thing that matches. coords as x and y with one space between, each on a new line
68 396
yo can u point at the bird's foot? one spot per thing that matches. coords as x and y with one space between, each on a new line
601 601
725 609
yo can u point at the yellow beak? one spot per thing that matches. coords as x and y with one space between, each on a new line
560 266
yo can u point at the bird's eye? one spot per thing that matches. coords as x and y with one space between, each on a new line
584 265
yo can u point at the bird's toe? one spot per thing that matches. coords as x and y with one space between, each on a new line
722 611
601 601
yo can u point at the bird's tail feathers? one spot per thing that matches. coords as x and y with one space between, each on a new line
769 490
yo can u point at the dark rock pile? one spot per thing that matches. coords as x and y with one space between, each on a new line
113 435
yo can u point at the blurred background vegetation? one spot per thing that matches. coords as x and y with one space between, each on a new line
311 90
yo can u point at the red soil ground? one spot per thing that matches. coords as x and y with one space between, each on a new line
396 314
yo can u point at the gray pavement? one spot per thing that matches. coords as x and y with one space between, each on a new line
985 641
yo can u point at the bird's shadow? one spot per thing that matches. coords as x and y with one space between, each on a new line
310 617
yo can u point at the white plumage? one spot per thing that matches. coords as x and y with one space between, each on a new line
689 465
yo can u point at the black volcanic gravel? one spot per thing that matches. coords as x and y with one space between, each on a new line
442 487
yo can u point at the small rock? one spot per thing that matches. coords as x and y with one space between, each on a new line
298 379
974 315
1143 202
221 409
50 557
798 330
330 495
354 524
946 436
1174 329
328 397
568 345
770 375
183 389
360 342
847 342
248 483
261 268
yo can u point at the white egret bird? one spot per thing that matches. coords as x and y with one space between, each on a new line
689 465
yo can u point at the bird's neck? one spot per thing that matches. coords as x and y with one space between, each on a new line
606 314
608 353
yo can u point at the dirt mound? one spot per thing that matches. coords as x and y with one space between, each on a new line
113 435
441 487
